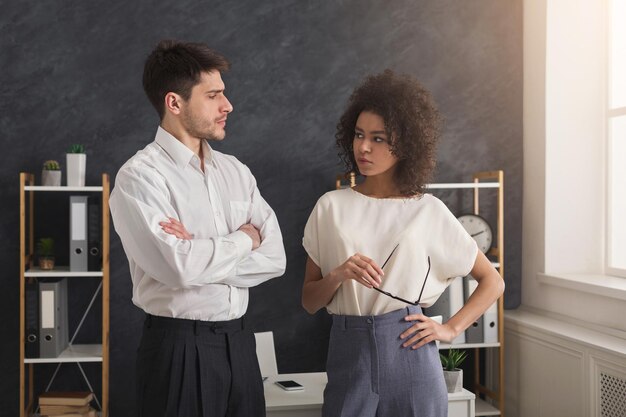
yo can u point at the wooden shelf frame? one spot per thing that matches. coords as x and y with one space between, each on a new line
74 353
480 181
497 252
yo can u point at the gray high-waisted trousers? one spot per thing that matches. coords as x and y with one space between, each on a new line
370 374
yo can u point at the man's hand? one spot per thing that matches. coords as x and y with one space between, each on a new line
254 234
176 228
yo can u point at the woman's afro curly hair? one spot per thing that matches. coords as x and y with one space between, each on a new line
411 120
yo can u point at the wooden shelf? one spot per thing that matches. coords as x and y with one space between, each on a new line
483 408
60 272
62 188
469 185
443 346
74 353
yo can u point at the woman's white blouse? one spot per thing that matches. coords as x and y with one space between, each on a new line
345 222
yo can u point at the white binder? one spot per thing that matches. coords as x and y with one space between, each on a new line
78 233
456 303
474 333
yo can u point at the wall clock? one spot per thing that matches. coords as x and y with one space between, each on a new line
479 230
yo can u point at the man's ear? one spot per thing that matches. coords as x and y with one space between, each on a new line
173 103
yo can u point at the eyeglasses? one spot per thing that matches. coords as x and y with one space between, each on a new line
399 298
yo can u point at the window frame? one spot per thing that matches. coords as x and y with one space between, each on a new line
612 113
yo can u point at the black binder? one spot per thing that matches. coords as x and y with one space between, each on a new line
32 320
94 232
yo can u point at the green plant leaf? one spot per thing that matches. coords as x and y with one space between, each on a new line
76 148
453 359
51 165
45 246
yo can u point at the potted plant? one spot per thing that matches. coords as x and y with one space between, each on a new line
76 165
45 253
51 173
452 372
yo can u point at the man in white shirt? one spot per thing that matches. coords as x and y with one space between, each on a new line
197 234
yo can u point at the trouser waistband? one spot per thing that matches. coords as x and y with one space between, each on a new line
197 326
393 317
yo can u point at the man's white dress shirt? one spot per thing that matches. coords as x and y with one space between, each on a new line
207 277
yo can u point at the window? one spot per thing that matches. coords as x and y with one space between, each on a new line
616 136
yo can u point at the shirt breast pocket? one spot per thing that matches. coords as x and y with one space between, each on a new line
240 213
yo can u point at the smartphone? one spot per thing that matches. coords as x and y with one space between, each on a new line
289 385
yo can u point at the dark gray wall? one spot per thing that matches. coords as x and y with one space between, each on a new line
71 72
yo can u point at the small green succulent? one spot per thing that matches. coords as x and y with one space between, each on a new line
453 359
51 165
76 148
45 247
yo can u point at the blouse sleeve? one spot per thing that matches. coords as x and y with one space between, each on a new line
311 239
455 251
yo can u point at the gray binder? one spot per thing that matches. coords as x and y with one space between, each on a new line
53 331
78 233
474 333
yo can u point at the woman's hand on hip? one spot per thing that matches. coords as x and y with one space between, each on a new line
425 330
361 269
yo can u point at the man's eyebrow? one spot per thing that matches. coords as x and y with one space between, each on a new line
219 90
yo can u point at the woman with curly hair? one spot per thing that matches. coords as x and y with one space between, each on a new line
379 252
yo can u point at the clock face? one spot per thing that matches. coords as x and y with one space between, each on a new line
479 230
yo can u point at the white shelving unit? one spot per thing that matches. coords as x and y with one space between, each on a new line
74 353
490 180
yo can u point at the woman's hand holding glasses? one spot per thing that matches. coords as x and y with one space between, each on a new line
361 269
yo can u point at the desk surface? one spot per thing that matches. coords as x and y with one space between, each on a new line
312 396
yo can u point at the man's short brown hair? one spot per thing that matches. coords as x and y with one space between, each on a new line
176 67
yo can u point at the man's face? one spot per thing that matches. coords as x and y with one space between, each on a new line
204 114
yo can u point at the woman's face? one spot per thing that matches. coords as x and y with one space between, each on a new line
372 146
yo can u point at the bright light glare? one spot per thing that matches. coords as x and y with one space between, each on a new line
618 54
618 193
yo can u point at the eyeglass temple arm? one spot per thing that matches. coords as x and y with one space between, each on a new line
393 296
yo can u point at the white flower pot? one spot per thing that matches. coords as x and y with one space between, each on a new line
76 164
50 178
454 380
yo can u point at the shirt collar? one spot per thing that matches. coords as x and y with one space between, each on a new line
181 154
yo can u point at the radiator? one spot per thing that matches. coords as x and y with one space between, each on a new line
612 395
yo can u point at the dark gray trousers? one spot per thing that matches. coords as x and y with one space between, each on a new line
370 374
188 368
